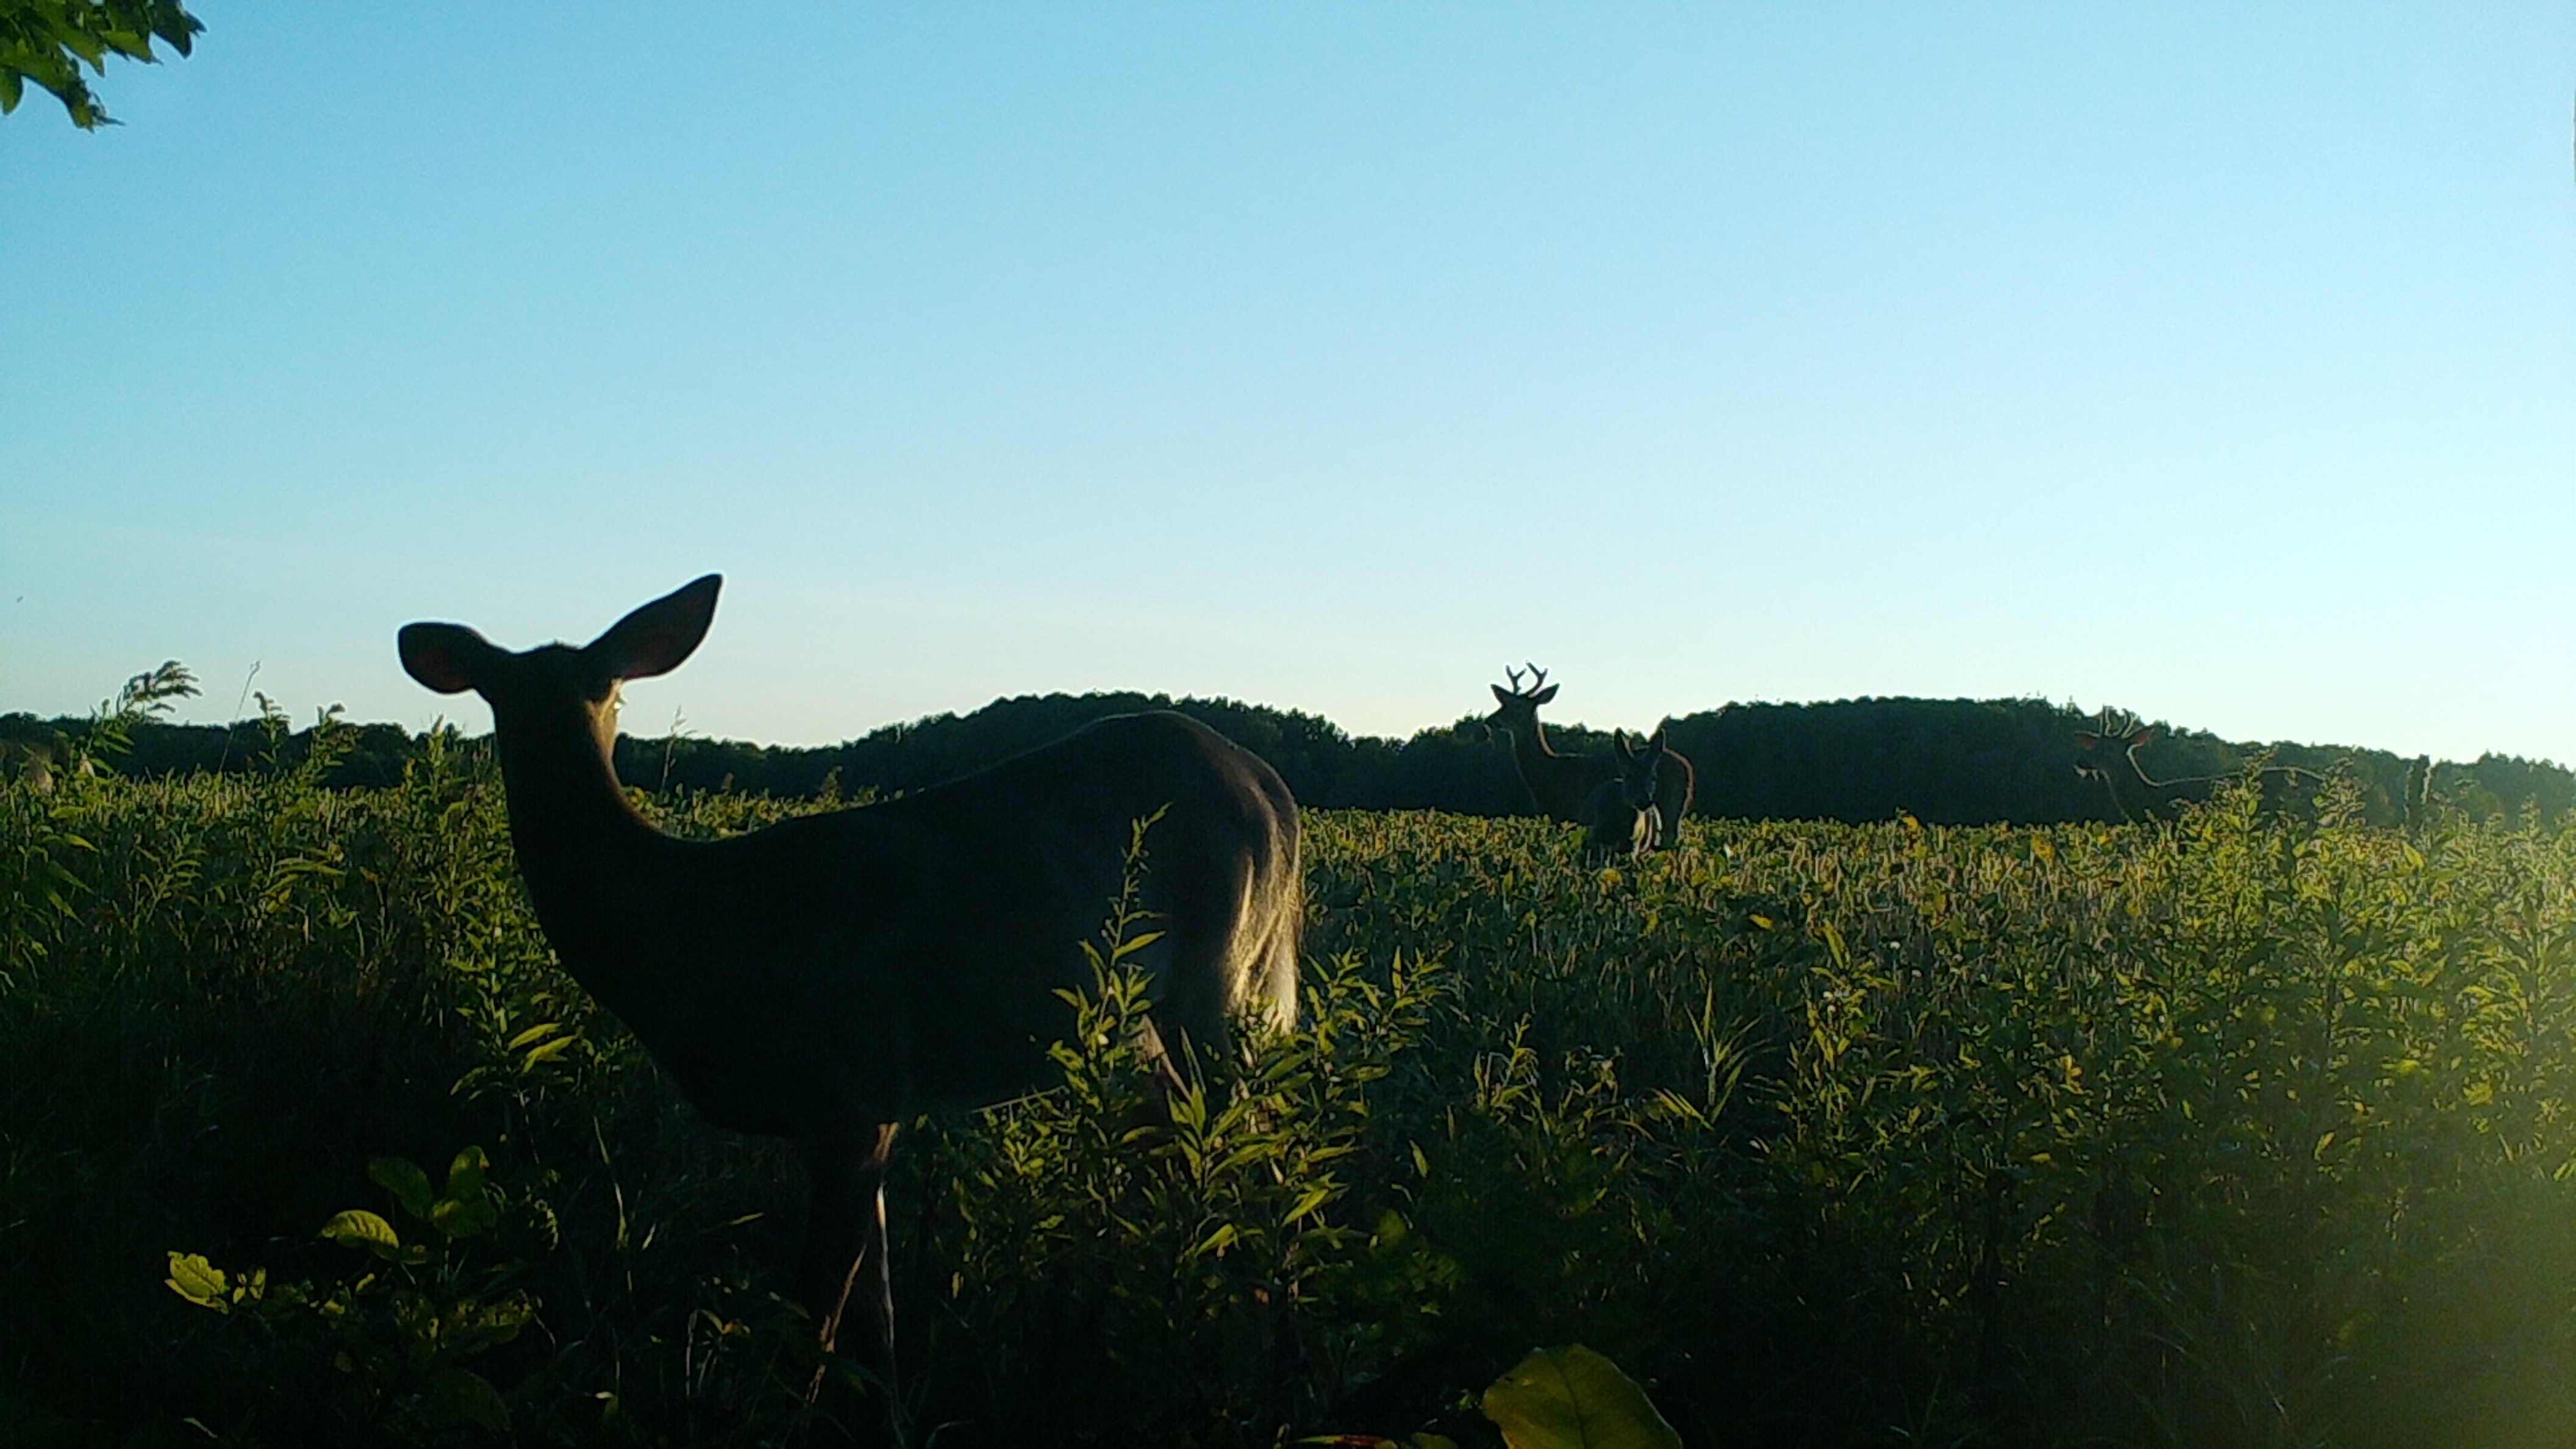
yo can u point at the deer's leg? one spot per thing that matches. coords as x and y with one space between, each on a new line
1158 1055
845 1266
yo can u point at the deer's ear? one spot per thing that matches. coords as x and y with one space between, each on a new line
449 658
1544 695
1619 742
1501 695
655 638
2085 742
2142 735
1655 743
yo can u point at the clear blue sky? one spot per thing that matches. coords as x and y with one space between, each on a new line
2215 361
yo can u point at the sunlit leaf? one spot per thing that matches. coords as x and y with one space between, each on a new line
1573 1398
200 1282
545 1050
1134 944
1311 1199
359 1228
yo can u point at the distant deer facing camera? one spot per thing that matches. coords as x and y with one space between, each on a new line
1622 817
1562 786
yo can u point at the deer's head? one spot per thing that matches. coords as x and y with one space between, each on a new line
1621 817
538 692
2114 732
1638 766
1516 708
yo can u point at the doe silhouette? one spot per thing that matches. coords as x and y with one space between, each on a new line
833 975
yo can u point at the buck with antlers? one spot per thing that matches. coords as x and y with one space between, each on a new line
830 976
1562 785
2109 753
1622 816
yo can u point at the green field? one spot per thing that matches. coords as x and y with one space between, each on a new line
2235 1132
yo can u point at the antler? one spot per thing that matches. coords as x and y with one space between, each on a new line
1540 682
1514 676
2112 724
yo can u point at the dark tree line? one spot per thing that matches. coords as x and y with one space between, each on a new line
1945 762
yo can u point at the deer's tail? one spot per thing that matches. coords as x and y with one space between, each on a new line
1274 917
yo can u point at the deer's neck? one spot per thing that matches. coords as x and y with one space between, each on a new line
1529 748
2140 796
587 856
1558 784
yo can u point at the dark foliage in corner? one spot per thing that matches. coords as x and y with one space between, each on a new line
48 41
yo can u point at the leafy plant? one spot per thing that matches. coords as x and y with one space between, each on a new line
48 41
405 1327
1573 1398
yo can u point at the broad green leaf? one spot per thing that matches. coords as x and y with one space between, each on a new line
469 1206
465 1175
1573 1398
462 1396
463 1217
404 1179
200 1282
500 1322
536 1033
359 1228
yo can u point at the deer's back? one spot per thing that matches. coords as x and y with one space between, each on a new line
906 956
1562 785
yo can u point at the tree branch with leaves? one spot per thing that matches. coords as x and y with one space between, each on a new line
48 41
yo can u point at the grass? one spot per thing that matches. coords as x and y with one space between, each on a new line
2236 1132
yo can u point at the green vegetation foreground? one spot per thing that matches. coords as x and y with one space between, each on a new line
2237 1132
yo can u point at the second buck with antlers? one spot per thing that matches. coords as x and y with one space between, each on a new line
1562 785
833 975
2110 755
